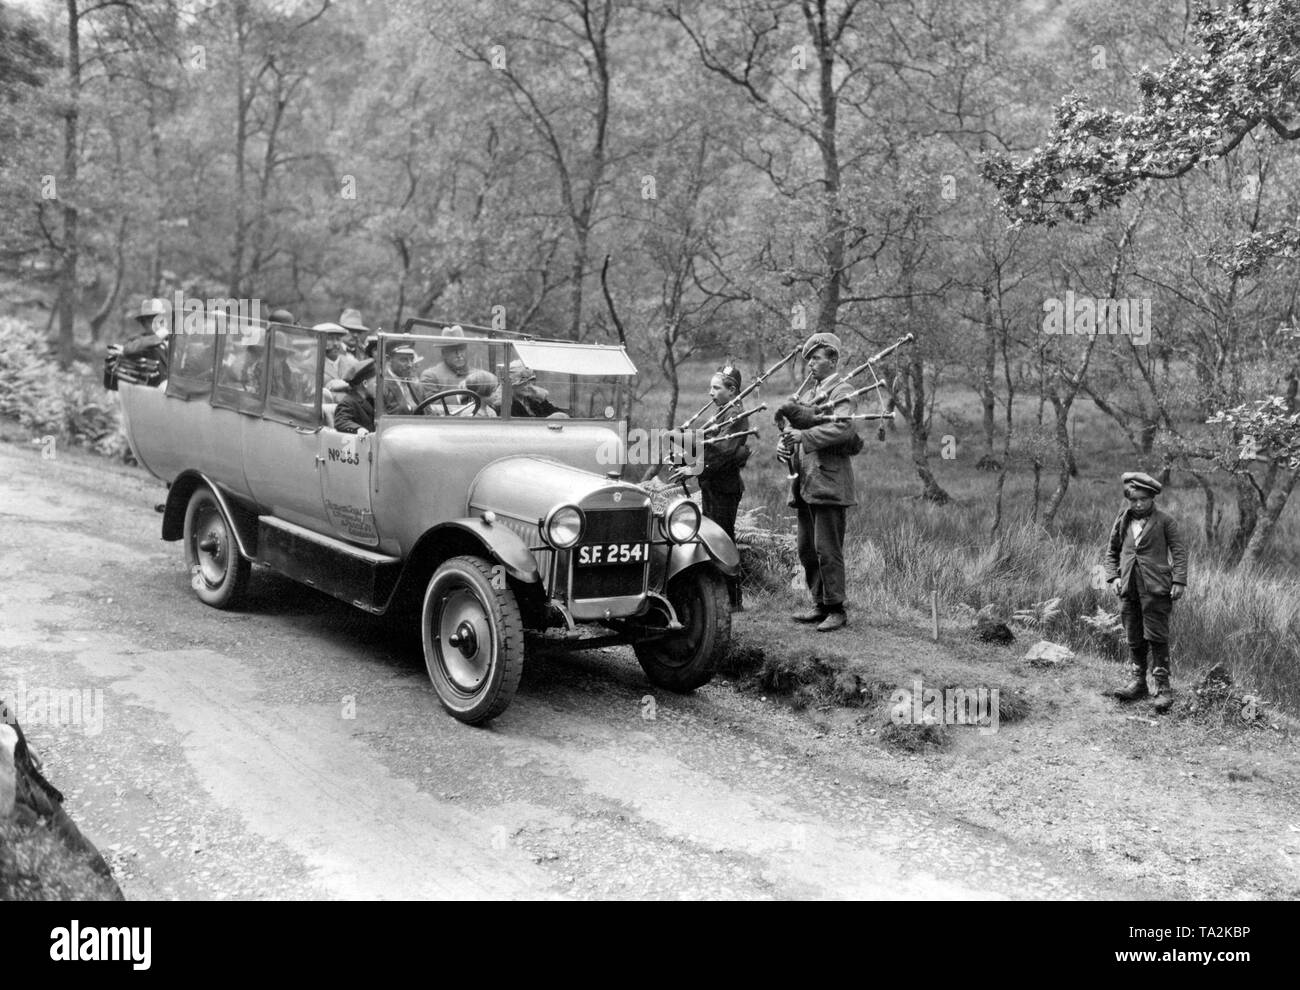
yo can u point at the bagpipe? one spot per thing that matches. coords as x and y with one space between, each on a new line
716 428
721 427
805 410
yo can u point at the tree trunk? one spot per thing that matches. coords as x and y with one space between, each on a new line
119 271
1208 521
832 217
1247 517
242 105
931 490
576 275
988 462
68 261
1259 539
1062 433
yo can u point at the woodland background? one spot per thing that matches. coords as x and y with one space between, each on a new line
700 180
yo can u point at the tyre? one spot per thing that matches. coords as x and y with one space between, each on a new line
218 571
473 639
688 659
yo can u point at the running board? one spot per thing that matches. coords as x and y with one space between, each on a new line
353 574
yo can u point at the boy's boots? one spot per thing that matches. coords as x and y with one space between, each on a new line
1136 689
1160 673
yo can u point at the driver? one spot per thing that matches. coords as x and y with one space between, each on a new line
450 372
401 393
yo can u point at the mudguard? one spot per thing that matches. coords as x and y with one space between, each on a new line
243 522
713 544
500 543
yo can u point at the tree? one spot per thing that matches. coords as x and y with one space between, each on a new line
1238 77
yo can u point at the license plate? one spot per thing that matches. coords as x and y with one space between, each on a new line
594 554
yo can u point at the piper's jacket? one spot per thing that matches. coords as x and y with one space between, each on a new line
723 461
1159 553
825 471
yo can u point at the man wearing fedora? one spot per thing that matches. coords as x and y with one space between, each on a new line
350 320
286 383
824 490
356 410
1146 567
150 343
449 372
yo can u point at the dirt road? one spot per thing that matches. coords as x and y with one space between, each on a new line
296 750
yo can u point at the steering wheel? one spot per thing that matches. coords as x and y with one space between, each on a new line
446 394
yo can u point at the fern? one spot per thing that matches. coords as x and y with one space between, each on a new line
1038 615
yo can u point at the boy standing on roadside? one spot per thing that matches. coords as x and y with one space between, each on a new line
1146 566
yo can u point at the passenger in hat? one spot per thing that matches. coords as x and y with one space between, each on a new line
144 356
1146 567
449 372
356 410
286 382
822 484
338 362
527 398
241 367
721 485
351 320
196 350
401 391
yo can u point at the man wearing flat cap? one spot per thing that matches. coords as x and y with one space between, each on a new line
823 489
356 410
339 364
1146 566
401 391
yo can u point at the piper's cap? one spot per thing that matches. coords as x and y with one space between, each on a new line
153 307
351 319
454 331
520 373
821 340
730 375
281 316
332 328
366 369
1142 482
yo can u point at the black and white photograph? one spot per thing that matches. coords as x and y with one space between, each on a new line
651 451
